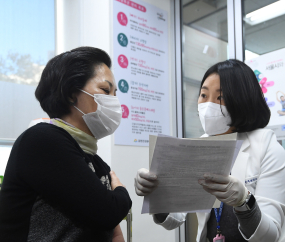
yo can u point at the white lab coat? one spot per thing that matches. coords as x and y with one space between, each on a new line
260 165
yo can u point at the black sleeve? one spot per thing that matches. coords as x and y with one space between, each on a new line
52 165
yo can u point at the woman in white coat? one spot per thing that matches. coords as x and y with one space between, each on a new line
253 196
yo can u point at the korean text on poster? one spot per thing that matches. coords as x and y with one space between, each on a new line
140 61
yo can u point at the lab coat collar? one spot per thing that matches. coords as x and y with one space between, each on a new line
246 144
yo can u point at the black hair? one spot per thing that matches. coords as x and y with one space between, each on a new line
64 75
242 95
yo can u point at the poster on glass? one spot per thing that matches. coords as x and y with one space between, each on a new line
140 41
269 70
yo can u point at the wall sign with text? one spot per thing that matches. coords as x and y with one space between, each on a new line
269 70
141 71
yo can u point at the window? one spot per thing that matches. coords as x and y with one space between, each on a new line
27 42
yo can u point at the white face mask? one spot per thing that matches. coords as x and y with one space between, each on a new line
214 118
107 117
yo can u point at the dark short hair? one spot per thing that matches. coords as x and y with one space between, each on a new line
242 95
64 75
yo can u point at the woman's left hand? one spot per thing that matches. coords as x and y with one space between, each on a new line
227 189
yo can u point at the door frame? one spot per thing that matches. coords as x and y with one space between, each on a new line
235 51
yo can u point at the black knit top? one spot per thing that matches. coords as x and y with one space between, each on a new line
53 191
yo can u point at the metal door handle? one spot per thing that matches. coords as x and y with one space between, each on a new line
129 220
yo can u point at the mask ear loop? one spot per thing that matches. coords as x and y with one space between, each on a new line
86 93
79 110
221 101
98 105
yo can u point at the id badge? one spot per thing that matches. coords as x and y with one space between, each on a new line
219 238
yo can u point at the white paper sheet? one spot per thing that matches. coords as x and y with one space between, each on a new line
179 163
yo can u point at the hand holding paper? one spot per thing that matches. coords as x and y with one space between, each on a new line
178 165
227 189
145 182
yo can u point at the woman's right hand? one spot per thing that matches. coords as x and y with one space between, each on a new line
115 182
145 182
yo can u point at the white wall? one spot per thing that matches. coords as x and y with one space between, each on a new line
85 23
89 22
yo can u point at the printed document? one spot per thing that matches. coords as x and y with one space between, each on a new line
179 163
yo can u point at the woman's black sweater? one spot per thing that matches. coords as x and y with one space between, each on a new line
51 192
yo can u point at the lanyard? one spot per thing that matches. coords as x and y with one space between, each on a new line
218 216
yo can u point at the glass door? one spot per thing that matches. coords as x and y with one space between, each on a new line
216 30
264 51
205 41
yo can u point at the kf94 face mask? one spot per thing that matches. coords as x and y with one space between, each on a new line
214 118
107 117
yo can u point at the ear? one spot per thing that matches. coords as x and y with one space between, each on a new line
73 99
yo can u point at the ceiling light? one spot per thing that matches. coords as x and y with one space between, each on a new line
268 12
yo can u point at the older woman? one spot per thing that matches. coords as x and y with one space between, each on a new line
253 196
56 188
